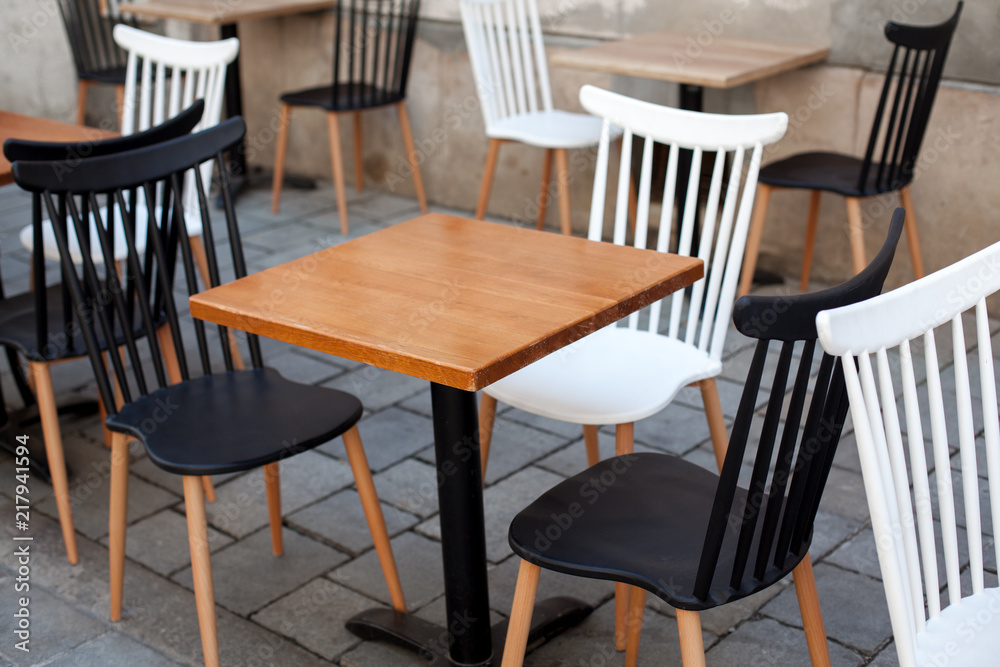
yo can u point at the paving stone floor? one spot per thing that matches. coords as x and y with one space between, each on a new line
291 610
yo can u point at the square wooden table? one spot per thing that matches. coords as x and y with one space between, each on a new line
17 126
461 303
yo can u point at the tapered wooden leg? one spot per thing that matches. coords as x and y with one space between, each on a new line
637 605
279 157
487 415
54 452
624 444
206 485
811 224
592 442
716 420
411 154
856 231
120 101
373 515
201 569
117 518
81 101
487 185
562 178
520 615
338 170
692 645
754 236
169 353
812 615
103 412
911 232
272 484
359 165
543 198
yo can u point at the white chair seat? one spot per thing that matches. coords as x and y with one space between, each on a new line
549 129
51 250
966 633
614 376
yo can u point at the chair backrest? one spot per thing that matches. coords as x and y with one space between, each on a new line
504 39
724 226
131 308
88 26
894 341
904 107
760 528
372 49
72 156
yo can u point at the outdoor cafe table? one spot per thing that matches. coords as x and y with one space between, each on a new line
461 303
17 126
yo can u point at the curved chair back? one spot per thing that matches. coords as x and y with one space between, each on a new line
372 48
761 526
504 39
889 347
904 107
132 308
723 230
89 24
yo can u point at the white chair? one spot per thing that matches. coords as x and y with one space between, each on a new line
504 39
622 374
163 77
888 346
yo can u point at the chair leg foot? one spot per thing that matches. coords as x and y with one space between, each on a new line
338 170
272 485
812 222
692 644
520 615
754 237
636 607
562 178
487 185
624 444
279 157
117 520
201 569
812 615
487 416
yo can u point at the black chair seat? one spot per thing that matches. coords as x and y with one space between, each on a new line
620 531
113 75
831 172
229 422
346 97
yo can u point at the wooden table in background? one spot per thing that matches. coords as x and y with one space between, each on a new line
460 303
16 126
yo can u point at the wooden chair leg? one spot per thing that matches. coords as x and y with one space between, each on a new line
120 101
562 178
169 353
338 170
716 420
487 415
373 515
812 222
520 615
543 198
916 257
692 645
624 444
117 519
103 413
592 441
81 101
754 236
624 438
812 615
54 452
279 157
411 154
272 485
636 607
359 165
208 488
487 185
201 569
856 231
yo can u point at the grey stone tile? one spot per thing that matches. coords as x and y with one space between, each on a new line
419 403
858 555
304 368
514 446
411 486
503 578
730 393
377 388
112 650
386 206
241 504
765 642
887 657
418 561
247 575
55 626
844 496
380 654
389 437
829 531
566 429
676 429
340 521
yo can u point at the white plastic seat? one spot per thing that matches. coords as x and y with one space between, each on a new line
504 39
906 431
121 252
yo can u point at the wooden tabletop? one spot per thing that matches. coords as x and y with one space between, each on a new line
679 57
13 125
458 302
221 12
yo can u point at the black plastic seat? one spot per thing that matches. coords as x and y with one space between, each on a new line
890 159
696 539
192 408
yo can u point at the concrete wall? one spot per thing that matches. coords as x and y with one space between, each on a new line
831 107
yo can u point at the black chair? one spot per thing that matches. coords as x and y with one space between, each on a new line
97 58
192 409
40 324
904 108
695 538
372 47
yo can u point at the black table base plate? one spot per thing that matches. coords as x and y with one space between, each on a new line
430 640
